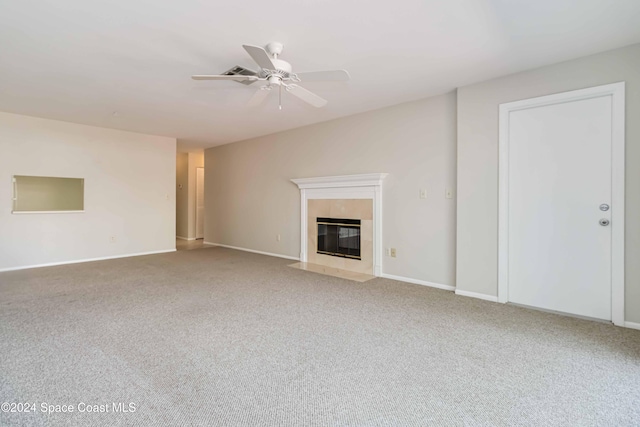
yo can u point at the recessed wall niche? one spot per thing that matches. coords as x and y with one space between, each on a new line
44 194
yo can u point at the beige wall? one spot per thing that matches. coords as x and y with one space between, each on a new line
249 198
129 182
477 221
182 195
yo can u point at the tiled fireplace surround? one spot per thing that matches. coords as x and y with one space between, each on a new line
361 209
347 196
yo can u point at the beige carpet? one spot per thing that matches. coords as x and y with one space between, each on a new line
225 338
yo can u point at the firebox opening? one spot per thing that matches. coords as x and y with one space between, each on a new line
339 237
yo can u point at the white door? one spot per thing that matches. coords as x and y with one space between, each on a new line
199 203
559 206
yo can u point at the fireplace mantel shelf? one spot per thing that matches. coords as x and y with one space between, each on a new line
361 180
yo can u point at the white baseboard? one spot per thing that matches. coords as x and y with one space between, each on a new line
78 261
418 282
477 295
253 251
632 325
185 238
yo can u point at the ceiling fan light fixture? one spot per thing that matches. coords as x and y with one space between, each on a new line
274 80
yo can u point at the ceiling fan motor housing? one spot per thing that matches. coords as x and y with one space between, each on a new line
282 71
282 65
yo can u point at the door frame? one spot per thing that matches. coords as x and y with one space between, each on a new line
195 201
617 92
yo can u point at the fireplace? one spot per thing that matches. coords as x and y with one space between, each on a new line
339 237
337 197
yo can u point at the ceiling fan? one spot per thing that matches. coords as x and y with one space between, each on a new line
277 74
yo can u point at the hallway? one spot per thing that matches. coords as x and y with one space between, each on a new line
186 245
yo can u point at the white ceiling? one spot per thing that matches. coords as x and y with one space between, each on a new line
81 61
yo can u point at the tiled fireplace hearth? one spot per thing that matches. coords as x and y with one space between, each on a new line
347 210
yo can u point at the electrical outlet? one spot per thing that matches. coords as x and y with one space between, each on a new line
423 193
387 251
278 237
112 239
448 193
393 252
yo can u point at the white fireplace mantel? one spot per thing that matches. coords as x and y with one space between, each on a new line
362 186
362 180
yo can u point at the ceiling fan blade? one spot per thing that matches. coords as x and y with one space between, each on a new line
260 56
237 78
306 96
324 76
258 97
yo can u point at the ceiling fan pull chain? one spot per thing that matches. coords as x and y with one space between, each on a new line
280 97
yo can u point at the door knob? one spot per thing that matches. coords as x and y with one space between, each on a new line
604 222
604 207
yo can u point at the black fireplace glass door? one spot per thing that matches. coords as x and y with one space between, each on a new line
339 237
349 241
327 238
